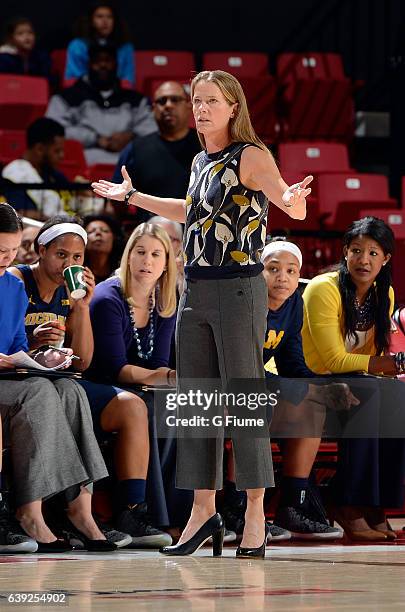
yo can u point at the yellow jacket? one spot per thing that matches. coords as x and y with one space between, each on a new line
323 332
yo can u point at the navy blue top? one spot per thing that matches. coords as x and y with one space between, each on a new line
38 311
114 344
283 339
13 302
283 342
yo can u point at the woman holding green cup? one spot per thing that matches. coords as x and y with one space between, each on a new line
53 315
52 285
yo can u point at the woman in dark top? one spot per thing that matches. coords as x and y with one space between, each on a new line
133 318
105 243
221 320
18 53
133 313
50 313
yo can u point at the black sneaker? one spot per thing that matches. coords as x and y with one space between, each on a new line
234 517
137 524
12 537
118 538
277 534
304 528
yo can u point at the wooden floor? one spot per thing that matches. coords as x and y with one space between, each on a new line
307 577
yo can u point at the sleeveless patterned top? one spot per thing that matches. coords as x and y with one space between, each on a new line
226 222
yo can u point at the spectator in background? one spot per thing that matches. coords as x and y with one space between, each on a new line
26 251
99 113
100 25
19 54
105 245
160 162
45 142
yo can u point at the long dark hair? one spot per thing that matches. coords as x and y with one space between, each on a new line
84 28
379 231
119 240
10 221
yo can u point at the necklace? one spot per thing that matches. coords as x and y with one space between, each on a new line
364 312
151 332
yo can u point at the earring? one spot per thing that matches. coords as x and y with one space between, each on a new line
345 258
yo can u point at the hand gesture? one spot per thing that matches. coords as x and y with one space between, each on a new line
51 332
114 191
295 195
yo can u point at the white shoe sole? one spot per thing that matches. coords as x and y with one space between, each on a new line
279 538
23 547
317 536
121 543
151 541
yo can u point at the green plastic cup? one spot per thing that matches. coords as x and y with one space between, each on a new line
73 276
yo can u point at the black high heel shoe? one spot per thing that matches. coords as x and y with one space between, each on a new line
254 553
213 527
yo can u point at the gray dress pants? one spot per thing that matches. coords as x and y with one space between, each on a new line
49 429
220 332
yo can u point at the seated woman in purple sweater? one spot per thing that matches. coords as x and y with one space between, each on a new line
133 319
133 313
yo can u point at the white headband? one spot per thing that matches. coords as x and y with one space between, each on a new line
281 245
59 230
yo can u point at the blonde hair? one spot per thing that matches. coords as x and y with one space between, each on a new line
166 296
240 126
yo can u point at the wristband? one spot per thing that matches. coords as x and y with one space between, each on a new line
168 377
129 195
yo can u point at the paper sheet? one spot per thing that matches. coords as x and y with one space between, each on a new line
23 360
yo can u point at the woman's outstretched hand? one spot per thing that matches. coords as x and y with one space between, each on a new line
114 191
295 195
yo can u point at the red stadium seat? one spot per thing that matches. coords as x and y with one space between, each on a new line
165 65
74 163
316 96
101 171
313 157
22 100
12 145
395 218
241 65
342 196
58 59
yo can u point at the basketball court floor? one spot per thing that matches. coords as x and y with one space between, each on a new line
292 577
